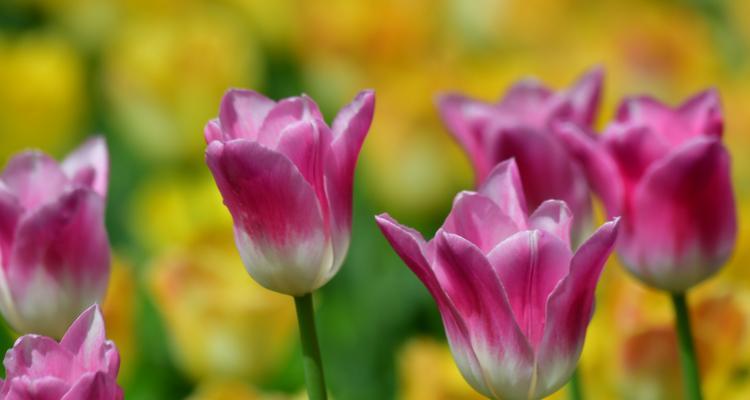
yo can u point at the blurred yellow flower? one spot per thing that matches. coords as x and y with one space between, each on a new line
232 390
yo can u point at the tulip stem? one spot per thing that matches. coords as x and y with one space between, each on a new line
575 391
314 379
691 378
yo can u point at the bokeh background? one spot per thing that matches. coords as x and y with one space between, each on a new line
188 320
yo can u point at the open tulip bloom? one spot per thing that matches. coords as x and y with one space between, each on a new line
520 126
514 299
667 173
83 365
54 249
286 177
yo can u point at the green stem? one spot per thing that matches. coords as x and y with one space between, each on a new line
575 392
691 378
314 379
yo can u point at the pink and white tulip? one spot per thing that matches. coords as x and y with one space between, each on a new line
520 126
286 178
54 249
666 171
83 365
515 300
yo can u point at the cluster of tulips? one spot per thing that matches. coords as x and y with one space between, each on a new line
513 269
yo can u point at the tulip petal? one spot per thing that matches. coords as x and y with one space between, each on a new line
703 114
585 96
526 103
634 149
212 131
479 297
478 219
410 246
94 386
59 263
601 171
284 113
35 356
88 165
241 115
278 220
34 178
569 310
349 131
503 186
682 226
553 216
86 339
10 212
530 264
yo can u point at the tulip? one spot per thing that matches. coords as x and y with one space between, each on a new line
520 126
53 243
666 171
515 300
286 178
83 365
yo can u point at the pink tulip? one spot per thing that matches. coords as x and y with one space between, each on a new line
667 173
82 366
520 126
286 178
53 242
515 300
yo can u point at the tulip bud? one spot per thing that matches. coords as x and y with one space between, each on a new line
520 126
286 178
83 365
515 300
54 248
667 173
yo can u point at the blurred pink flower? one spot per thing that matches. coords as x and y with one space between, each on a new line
515 300
286 178
53 242
666 171
83 365
520 126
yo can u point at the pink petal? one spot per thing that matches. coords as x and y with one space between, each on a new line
34 178
546 169
569 310
349 131
86 338
212 131
479 220
10 212
526 103
503 186
409 245
633 149
34 356
284 113
88 165
601 171
585 97
470 283
553 216
703 114
241 115
530 264
279 226
60 261
42 388
683 224
94 386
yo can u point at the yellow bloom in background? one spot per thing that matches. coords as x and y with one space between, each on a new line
42 93
164 76
233 390
221 323
119 313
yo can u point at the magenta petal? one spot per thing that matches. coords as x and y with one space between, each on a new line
409 245
241 115
479 220
554 217
34 178
35 356
503 186
212 131
585 96
94 386
683 223
569 310
284 113
479 297
278 220
530 264
86 339
526 102
633 149
466 120
349 131
601 171
88 165
10 212
59 264
703 114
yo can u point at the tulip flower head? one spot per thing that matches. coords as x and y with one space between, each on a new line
520 126
286 178
54 248
515 300
666 171
83 365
